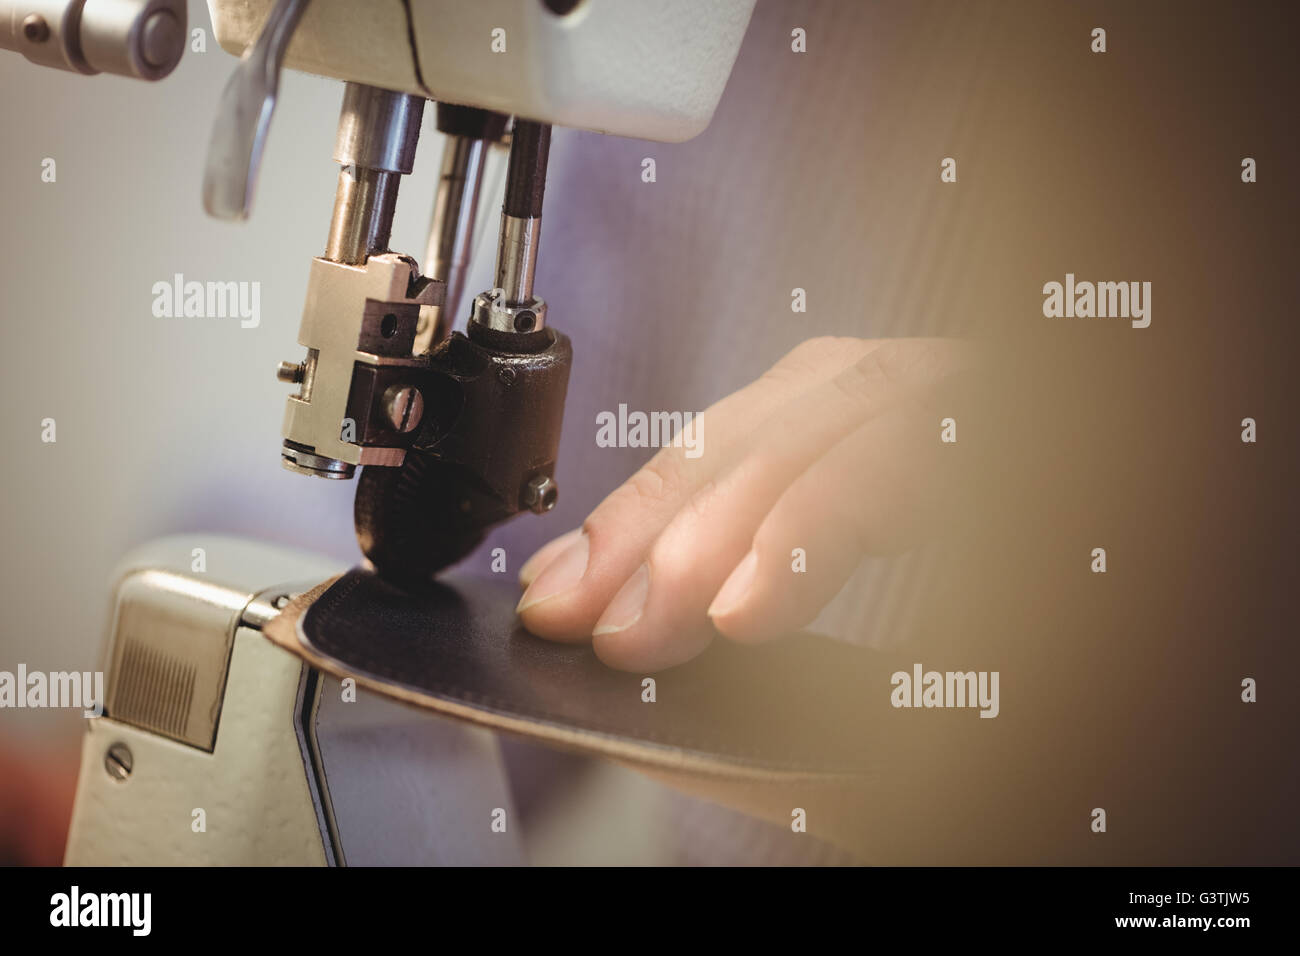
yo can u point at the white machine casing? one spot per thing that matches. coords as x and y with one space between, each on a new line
627 67
234 753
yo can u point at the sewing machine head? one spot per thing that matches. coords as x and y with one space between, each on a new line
454 431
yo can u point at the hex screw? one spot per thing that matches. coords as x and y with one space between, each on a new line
541 494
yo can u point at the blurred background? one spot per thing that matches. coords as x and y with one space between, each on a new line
820 171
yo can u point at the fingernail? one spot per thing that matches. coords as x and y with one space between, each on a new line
736 586
560 575
545 555
625 609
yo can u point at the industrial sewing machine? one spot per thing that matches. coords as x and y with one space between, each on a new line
216 745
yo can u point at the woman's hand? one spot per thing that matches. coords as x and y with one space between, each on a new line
834 453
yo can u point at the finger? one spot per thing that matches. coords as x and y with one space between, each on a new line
566 598
876 492
659 618
545 555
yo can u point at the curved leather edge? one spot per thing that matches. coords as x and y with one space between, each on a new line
285 631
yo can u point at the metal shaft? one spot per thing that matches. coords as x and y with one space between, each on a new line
378 132
363 214
521 213
136 38
530 148
451 232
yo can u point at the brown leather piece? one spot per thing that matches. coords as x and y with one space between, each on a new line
790 709
802 723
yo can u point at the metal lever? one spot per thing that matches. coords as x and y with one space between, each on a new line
244 114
